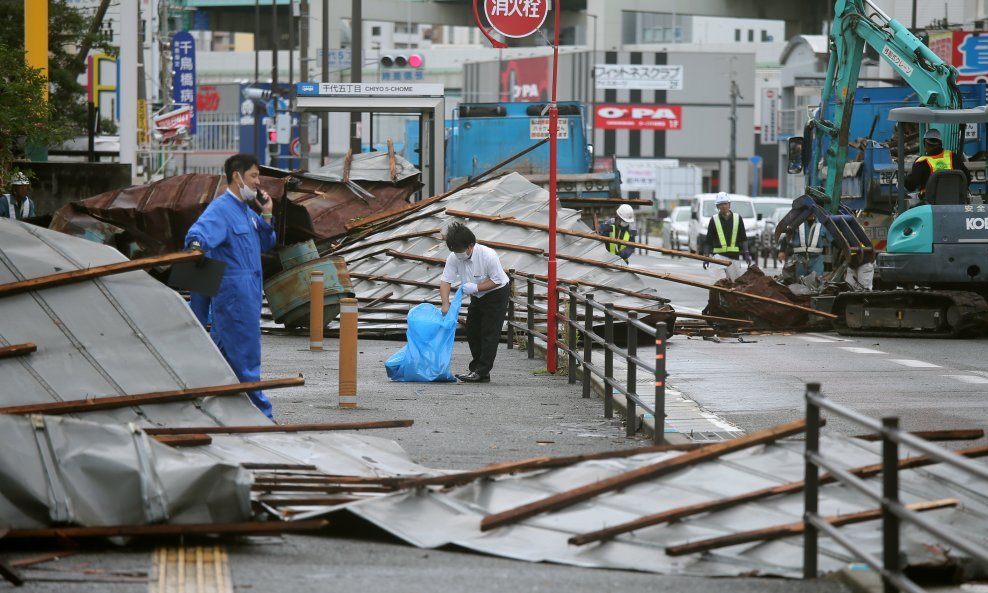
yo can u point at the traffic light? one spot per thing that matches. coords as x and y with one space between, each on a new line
402 67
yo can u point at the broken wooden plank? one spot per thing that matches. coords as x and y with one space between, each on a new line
789 529
184 440
719 504
74 276
347 161
391 280
175 430
17 350
246 527
512 247
326 488
577 495
158 397
393 238
11 575
280 466
32 560
316 501
535 463
961 434
510 220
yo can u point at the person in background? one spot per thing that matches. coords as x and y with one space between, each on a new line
621 227
935 158
805 248
484 280
726 237
17 205
230 231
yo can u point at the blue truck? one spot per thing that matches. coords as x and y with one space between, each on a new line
482 135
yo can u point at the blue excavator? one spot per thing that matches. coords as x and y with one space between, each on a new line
934 267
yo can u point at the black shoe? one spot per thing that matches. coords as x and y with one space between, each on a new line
473 377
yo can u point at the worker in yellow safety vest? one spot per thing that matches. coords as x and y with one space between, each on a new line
804 248
726 236
934 159
623 228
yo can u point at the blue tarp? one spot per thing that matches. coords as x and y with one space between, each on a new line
429 349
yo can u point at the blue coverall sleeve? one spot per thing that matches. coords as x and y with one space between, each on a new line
210 230
265 232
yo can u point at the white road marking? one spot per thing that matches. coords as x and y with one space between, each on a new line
816 339
918 364
968 378
857 350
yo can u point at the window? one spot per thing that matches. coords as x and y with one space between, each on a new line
766 37
751 35
375 31
737 34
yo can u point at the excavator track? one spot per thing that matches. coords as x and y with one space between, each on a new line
908 313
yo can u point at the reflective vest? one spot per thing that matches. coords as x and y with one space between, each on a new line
25 211
811 245
726 247
625 236
941 162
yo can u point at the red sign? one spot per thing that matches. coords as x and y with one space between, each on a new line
965 50
639 117
207 98
526 79
516 18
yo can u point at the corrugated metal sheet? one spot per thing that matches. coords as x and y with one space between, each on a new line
434 518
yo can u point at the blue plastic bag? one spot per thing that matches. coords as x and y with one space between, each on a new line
429 349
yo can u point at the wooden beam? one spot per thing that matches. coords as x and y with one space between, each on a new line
649 472
392 280
510 220
10 574
325 488
32 560
790 529
681 280
512 247
17 350
158 397
310 502
280 466
719 504
961 434
536 463
184 440
401 237
75 276
168 529
176 430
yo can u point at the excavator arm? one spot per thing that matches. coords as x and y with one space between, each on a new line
858 23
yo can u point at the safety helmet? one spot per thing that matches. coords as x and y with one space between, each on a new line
625 213
722 198
19 178
933 136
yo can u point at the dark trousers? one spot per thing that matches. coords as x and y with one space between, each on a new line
485 317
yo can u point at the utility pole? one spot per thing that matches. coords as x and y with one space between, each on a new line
303 76
732 157
356 66
164 49
274 74
324 116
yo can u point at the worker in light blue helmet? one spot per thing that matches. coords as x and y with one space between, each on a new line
726 236
623 228
17 205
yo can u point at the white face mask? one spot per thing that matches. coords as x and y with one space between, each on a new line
246 193
462 256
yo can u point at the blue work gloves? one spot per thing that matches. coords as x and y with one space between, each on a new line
469 288
747 257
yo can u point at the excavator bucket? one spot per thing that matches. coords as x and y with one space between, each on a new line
849 236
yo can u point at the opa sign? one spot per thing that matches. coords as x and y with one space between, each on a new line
639 117
516 18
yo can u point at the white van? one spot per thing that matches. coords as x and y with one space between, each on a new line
702 207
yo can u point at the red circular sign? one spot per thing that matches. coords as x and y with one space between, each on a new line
516 18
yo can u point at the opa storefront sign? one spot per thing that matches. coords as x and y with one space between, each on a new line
638 117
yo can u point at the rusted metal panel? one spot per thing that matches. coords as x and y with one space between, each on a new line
288 291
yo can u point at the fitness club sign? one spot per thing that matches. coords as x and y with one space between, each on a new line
638 117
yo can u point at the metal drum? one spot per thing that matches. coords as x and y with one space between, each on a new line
288 291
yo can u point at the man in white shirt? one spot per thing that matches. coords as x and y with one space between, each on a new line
484 280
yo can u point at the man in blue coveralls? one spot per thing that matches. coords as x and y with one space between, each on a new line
230 231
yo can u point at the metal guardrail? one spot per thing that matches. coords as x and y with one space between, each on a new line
573 328
894 513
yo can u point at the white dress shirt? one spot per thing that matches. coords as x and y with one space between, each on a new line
482 264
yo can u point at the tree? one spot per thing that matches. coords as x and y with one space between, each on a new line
25 116
68 30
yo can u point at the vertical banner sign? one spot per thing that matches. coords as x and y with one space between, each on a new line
770 116
184 73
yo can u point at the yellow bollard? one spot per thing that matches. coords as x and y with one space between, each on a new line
316 322
348 353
